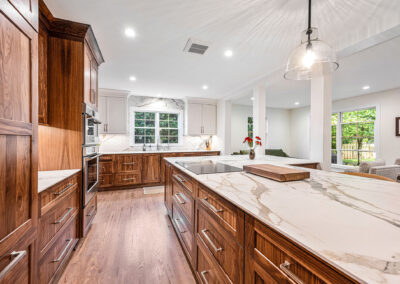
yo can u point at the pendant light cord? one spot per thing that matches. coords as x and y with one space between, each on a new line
309 30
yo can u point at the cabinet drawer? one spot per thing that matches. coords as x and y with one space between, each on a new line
127 179
184 200
128 163
106 158
220 243
185 181
229 216
14 267
55 219
183 229
207 270
57 191
106 180
89 212
55 256
279 256
256 274
106 167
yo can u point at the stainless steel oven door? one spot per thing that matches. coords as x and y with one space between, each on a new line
91 177
91 130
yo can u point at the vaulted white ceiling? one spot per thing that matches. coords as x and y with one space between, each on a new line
261 34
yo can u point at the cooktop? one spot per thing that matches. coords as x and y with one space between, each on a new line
208 167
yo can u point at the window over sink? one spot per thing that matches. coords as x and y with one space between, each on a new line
155 127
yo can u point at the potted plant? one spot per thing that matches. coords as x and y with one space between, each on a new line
252 145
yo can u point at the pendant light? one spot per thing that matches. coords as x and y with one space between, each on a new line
312 58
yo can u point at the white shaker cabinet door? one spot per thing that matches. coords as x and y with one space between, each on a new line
116 115
194 119
102 114
209 116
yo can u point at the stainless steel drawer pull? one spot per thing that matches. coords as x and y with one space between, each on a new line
179 178
285 267
129 163
203 276
127 179
63 217
177 195
16 256
64 251
214 247
178 222
64 190
215 210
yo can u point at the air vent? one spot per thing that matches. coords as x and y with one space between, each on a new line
196 46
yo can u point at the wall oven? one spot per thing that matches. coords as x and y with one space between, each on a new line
90 175
90 125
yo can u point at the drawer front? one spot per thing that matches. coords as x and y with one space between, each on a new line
55 219
58 191
183 229
128 163
106 158
184 200
106 180
127 179
89 212
50 262
229 216
14 267
220 243
276 253
256 274
207 270
106 167
185 181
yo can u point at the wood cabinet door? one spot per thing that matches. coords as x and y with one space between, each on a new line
29 9
209 119
128 163
168 189
194 120
18 132
87 69
151 168
93 84
43 93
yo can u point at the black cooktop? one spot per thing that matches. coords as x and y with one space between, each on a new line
208 167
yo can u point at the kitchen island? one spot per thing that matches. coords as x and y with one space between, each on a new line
329 228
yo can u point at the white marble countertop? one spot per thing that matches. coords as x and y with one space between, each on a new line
351 222
47 179
156 152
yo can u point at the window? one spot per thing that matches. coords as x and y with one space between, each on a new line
250 127
353 137
155 127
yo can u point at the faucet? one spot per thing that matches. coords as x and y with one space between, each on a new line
144 146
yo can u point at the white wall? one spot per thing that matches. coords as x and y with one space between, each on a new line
388 106
278 125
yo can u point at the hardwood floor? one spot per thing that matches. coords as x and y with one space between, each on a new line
131 241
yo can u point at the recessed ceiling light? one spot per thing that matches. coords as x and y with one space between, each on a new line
366 87
296 103
228 53
129 32
252 98
205 87
132 78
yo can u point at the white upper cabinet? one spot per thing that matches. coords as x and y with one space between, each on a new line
112 113
201 119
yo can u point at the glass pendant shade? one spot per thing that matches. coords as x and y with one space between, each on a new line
311 59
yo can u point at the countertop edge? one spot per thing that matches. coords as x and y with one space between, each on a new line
71 172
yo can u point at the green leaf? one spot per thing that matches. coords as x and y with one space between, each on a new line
163 116
173 117
173 132
150 115
139 123
139 115
139 139
150 123
164 124
173 124
150 132
139 131
173 140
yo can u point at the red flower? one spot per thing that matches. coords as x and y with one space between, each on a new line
248 140
258 138
258 143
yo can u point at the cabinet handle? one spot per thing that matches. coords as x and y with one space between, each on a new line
204 233
126 179
65 216
179 178
206 203
64 190
179 199
129 163
285 267
104 127
203 276
16 257
178 222
69 242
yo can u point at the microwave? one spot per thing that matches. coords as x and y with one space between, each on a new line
90 126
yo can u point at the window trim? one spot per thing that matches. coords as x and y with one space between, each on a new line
157 126
339 130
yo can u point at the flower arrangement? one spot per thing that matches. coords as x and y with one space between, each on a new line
251 142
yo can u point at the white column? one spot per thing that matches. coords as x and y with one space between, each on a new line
259 106
224 125
320 120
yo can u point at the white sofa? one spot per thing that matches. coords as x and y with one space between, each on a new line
379 168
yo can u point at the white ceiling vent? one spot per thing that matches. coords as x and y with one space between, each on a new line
196 46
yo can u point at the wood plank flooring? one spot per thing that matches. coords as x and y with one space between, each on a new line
131 241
